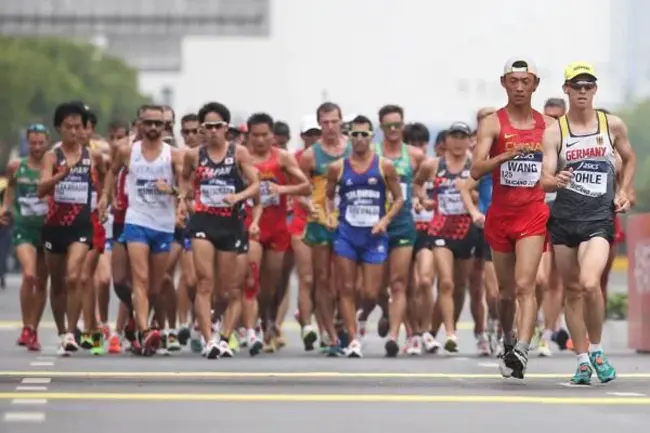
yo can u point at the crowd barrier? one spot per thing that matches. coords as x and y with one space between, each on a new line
638 281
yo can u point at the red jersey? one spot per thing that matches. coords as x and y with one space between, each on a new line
274 206
451 220
121 199
516 182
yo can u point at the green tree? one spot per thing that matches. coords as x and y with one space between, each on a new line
39 73
637 119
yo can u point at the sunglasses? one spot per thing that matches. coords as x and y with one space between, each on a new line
189 131
156 123
37 127
392 125
579 85
360 134
214 125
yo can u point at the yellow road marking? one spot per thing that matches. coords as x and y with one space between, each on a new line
284 375
288 325
323 398
620 264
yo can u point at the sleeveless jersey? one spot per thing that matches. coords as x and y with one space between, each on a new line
322 161
148 207
484 193
213 182
405 171
29 210
590 195
363 195
452 221
70 205
274 206
516 182
424 217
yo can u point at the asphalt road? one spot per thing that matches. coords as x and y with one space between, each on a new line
294 391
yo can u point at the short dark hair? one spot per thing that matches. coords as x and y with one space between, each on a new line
217 108
259 119
361 120
191 117
281 128
67 109
390 109
169 108
417 132
152 107
440 137
555 102
118 124
328 107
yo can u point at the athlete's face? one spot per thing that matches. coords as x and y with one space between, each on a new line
37 142
360 137
581 93
214 128
520 87
72 130
422 145
190 133
152 124
281 141
260 137
330 124
117 134
554 112
457 143
310 137
393 126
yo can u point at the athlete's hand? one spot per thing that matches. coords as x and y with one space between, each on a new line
232 199
563 178
380 228
621 202
314 210
478 219
63 169
417 205
102 208
5 217
181 210
163 186
330 221
277 189
254 231
428 204
510 154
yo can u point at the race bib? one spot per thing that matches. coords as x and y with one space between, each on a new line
424 216
362 216
451 204
267 198
93 200
521 173
214 195
589 183
148 194
32 206
71 192
550 197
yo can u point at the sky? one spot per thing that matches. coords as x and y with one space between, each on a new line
440 60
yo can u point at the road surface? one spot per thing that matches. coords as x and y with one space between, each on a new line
294 391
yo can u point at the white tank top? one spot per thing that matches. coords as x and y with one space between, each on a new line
147 206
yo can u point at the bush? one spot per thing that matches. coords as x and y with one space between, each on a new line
616 308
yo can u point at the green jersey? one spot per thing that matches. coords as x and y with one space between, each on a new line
29 210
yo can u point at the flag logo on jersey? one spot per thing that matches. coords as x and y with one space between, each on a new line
600 140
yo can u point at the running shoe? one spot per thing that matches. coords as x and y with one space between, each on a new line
98 344
604 370
25 336
582 375
34 345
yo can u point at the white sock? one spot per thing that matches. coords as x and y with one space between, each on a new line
595 348
547 335
583 358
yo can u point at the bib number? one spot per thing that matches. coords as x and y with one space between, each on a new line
451 204
424 216
149 195
267 198
71 192
588 183
32 206
520 173
362 216
214 195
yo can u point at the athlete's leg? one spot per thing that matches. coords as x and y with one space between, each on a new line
204 257
346 270
444 263
77 252
462 270
424 278
231 283
250 305
477 295
89 299
270 274
186 294
399 265
102 283
27 256
529 253
325 298
304 266
40 289
284 287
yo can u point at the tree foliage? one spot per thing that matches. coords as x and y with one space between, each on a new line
637 119
38 73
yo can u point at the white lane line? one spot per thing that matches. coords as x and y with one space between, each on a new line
36 380
31 388
488 364
41 364
29 401
45 358
626 394
460 358
24 417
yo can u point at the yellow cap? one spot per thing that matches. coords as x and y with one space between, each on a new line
579 68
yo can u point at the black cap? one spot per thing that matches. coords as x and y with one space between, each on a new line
461 127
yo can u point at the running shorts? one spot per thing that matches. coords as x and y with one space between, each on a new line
360 245
422 241
158 241
276 238
57 239
181 237
243 244
118 229
401 234
297 226
462 249
223 238
317 234
504 227
27 235
572 233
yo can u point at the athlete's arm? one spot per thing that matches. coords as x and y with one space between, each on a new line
333 173
488 132
392 184
307 165
189 164
624 148
467 187
249 171
301 185
417 157
550 144
8 199
178 156
48 179
122 154
424 173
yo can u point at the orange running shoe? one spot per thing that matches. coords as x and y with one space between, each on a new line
114 344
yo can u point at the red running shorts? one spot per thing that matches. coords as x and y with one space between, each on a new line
504 227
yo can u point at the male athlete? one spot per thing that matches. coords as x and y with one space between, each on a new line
515 225
221 170
363 180
27 211
401 231
153 167
319 235
580 164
